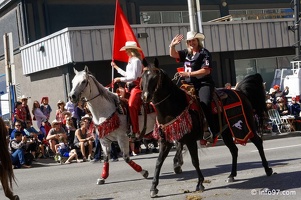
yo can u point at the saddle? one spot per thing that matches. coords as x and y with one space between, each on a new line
229 103
123 108
216 103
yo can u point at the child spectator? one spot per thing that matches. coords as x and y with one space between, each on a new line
62 149
45 107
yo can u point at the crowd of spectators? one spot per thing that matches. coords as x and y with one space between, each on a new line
71 137
277 99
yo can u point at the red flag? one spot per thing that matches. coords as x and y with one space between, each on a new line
122 33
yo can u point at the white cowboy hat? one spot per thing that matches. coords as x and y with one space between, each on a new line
87 116
272 90
130 45
268 101
55 122
23 97
192 35
60 102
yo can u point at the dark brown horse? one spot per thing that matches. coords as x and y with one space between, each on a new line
179 120
6 171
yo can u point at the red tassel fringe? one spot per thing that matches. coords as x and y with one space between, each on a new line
175 129
109 125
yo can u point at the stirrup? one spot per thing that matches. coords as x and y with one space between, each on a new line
208 136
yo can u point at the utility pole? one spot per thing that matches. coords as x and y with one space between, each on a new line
192 14
297 27
8 53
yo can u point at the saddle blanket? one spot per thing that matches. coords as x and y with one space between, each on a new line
236 118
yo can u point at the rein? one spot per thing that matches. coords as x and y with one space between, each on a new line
88 82
157 87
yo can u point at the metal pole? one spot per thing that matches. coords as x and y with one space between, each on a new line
199 16
8 71
297 28
191 13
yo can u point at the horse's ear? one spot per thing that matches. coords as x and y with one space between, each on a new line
86 69
75 71
156 62
144 62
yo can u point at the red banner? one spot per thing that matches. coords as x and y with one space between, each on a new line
122 33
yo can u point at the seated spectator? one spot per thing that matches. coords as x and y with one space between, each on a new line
70 129
295 108
227 86
18 127
36 138
282 107
278 93
54 134
17 150
81 140
270 104
62 150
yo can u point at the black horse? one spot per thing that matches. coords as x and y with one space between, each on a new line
178 119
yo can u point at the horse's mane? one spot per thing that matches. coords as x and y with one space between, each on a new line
252 87
105 93
6 171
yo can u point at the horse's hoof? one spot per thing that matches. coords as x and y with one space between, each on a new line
100 181
154 193
269 171
200 188
230 179
144 173
178 170
16 197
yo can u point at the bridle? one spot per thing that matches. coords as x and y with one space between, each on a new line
157 87
88 83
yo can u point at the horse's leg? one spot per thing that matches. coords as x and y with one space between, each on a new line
257 141
164 150
178 159
123 142
106 147
228 140
193 150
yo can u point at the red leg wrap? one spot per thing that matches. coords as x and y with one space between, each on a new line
135 166
105 170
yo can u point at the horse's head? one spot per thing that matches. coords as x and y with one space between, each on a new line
150 81
79 85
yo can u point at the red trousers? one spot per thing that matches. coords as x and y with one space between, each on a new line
135 103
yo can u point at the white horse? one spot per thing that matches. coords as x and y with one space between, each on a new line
111 125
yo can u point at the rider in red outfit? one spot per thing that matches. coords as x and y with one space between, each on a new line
132 77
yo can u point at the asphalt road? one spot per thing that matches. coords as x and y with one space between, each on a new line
49 180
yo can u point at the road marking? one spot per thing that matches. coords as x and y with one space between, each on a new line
279 147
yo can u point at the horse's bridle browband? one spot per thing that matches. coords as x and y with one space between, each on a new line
157 86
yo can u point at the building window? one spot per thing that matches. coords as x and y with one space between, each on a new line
265 66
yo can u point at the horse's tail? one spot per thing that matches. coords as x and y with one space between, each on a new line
6 170
252 86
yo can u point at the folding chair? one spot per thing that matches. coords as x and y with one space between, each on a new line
281 123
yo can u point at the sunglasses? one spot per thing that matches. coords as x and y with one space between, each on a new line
17 125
